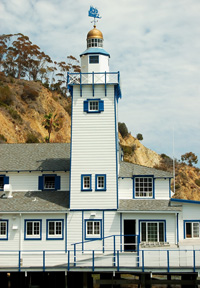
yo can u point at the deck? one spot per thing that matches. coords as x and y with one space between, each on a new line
144 260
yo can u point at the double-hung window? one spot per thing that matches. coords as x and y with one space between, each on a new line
192 229
3 229
152 231
93 229
100 182
55 229
143 187
86 182
93 106
33 230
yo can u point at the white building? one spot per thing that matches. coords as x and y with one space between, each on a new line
79 206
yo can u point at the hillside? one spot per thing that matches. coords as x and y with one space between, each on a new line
23 105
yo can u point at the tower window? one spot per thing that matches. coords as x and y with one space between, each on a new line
94 43
93 106
94 59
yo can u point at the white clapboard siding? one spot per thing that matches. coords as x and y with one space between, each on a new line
162 188
74 229
93 149
28 181
125 188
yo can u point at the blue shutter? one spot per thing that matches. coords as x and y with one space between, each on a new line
85 106
57 182
6 180
101 105
40 183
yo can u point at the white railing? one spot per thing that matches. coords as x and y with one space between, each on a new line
93 78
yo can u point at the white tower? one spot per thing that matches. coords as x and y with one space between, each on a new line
94 139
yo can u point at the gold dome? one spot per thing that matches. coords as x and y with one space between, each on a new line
94 33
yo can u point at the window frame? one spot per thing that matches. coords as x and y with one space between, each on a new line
55 236
41 182
152 183
92 58
93 236
158 230
4 236
32 236
86 105
5 181
96 182
82 182
192 222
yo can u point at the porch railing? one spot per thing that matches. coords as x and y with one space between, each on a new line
168 260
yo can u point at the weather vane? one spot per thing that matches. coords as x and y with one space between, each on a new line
93 12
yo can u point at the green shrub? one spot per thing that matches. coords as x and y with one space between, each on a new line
68 109
6 95
139 136
13 113
126 149
177 186
123 129
29 93
197 181
2 139
31 138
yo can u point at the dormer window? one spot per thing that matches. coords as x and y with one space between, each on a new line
1 182
94 59
143 187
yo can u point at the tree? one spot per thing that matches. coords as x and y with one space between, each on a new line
123 129
189 158
139 136
50 123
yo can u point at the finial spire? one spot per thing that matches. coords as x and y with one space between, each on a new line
93 12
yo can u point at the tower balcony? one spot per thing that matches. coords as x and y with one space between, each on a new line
95 78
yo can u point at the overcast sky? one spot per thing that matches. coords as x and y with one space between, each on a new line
155 44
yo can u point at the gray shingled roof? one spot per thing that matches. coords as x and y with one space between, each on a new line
35 157
130 169
45 201
147 205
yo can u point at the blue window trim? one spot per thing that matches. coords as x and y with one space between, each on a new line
86 105
39 237
47 229
92 237
93 57
87 189
153 182
5 180
96 177
184 227
153 220
6 237
41 182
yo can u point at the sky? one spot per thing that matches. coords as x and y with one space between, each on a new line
155 44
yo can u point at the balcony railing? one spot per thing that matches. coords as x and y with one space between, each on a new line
95 78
